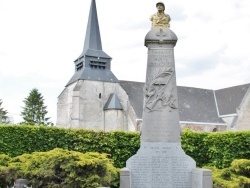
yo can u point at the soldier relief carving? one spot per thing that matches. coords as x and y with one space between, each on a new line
158 95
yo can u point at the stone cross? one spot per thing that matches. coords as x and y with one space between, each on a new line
161 34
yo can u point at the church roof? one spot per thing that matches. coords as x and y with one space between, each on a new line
195 104
113 103
93 43
134 91
229 99
93 74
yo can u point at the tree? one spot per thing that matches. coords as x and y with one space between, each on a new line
34 111
4 119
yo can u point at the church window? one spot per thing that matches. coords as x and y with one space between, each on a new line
79 66
97 64
100 95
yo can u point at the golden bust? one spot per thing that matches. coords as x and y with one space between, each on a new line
160 19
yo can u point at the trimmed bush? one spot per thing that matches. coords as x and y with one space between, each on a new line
241 167
4 159
235 176
59 168
17 140
194 145
226 146
215 149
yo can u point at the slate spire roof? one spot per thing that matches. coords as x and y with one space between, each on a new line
93 43
113 103
93 63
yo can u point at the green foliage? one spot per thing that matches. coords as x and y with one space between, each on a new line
119 145
194 145
235 176
4 119
16 140
226 146
34 111
241 167
4 159
216 149
60 168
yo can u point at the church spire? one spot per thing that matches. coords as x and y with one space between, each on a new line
93 43
93 63
93 38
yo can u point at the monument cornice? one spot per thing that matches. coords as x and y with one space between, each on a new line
160 36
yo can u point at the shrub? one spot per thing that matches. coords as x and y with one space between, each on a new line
235 176
241 167
17 140
4 159
60 168
215 149
194 145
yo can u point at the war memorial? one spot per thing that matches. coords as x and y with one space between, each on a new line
95 99
160 161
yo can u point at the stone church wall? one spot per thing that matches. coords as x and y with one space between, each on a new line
204 127
229 120
81 105
243 122
64 106
115 120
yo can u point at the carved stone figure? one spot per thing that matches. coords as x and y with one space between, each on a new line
157 96
160 19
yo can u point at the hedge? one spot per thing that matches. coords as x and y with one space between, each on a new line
17 140
59 168
235 176
214 149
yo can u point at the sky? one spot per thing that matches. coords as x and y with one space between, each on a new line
40 39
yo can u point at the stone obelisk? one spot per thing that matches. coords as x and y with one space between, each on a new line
160 161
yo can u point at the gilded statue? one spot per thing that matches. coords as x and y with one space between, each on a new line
160 20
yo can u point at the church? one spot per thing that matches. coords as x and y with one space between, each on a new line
95 99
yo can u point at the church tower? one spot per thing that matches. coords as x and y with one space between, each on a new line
93 98
93 63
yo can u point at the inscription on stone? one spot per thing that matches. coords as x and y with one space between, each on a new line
196 179
165 128
161 166
160 58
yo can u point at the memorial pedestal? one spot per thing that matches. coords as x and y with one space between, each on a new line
160 161
160 165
